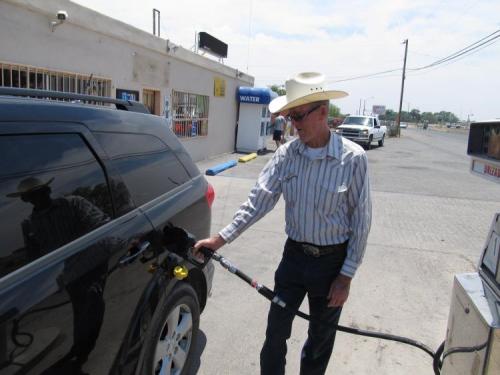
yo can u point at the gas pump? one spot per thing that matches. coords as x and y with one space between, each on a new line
473 335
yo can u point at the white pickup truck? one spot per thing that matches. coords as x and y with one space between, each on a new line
363 130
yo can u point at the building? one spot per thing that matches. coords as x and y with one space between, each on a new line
94 54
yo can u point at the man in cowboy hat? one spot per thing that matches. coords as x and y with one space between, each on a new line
324 181
54 221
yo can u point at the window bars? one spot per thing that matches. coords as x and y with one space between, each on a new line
190 114
24 76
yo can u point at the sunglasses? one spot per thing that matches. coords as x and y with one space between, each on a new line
297 117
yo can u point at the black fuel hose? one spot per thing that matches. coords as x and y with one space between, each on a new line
437 361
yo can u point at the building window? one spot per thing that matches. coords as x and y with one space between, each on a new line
190 114
29 77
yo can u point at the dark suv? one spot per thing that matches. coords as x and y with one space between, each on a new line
89 198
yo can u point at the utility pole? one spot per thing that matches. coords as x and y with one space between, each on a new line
359 110
402 87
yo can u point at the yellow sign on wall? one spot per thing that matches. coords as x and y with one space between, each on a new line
219 86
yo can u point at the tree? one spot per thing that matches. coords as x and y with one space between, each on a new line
389 115
334 111
428 117
415 115
278 90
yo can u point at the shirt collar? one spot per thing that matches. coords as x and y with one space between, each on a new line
334 147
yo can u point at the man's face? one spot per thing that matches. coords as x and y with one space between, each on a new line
309 121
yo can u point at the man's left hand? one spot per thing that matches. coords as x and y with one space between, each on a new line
339 291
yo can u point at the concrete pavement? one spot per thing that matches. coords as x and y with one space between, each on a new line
430 220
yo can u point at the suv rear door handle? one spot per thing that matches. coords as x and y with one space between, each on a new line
130 258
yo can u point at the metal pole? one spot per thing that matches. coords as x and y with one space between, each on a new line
156 12
359 110
402 87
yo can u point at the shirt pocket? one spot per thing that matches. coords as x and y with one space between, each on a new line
289 183
330 197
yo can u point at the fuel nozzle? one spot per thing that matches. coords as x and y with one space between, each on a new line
180 242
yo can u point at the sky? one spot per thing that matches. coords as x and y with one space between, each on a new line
274 40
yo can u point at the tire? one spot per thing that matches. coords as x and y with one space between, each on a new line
369 144
381 142
173 333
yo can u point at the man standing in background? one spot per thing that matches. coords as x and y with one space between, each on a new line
279 128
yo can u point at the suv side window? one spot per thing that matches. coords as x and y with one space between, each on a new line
148 167
375 122
52 191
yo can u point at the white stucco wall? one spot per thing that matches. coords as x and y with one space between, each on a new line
91 43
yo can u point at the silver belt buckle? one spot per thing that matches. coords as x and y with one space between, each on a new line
311 250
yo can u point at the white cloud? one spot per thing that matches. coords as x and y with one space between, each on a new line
344 39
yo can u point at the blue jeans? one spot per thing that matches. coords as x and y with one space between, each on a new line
299 274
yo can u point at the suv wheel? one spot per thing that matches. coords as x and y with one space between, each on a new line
173 333
381 142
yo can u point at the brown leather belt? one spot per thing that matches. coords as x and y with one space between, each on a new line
316 250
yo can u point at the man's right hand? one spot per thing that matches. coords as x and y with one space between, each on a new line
214 243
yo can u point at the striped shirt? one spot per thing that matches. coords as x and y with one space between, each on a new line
327 200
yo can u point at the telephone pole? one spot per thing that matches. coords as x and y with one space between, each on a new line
402 88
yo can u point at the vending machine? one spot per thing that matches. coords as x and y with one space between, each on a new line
473 335
254 118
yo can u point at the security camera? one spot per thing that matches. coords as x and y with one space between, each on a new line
62 15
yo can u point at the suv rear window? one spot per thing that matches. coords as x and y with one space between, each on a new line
148 167
52 191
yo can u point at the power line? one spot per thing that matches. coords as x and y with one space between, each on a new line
466 51
463 51
455 60
365 76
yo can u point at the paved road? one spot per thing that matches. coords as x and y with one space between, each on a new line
431 217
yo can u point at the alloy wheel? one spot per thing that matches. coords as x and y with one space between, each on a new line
175 340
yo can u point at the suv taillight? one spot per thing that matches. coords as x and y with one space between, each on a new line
210 195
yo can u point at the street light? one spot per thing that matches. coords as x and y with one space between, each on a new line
364 103
468 119
408 106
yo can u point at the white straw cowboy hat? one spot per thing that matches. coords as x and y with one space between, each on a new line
29 184
302 89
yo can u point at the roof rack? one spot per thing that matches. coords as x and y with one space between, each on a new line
124 105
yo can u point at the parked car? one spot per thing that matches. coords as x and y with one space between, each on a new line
363 130
403 125
87 281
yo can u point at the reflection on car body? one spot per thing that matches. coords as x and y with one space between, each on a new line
85 280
